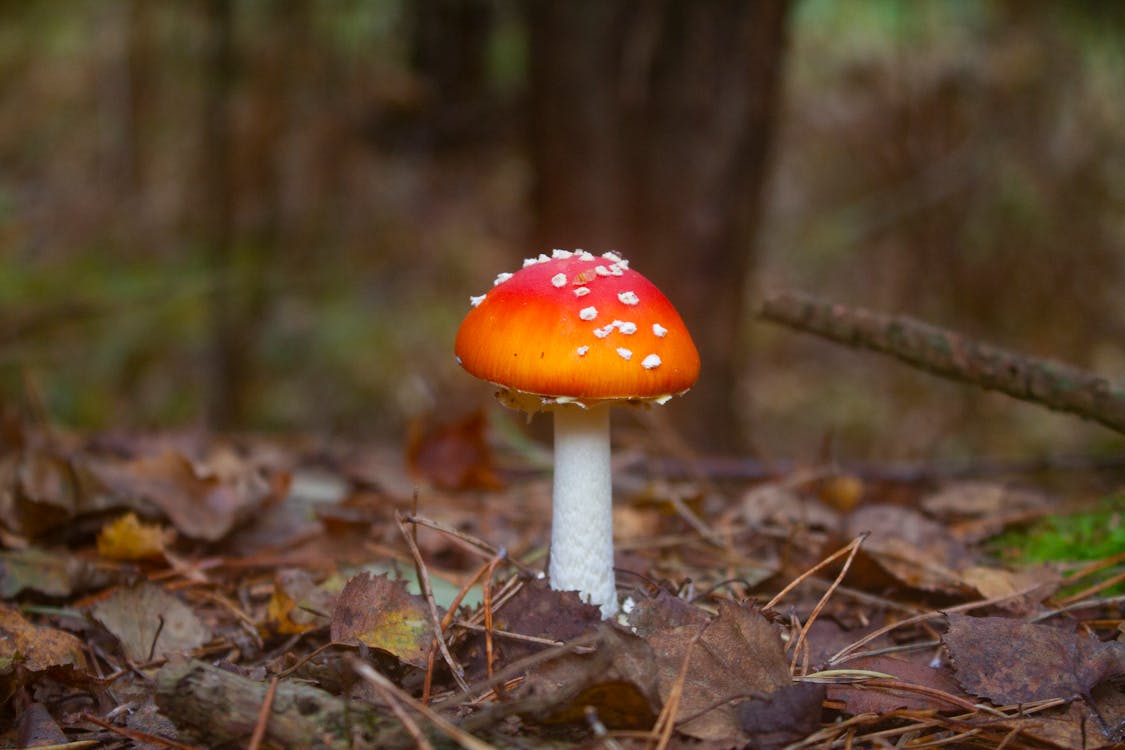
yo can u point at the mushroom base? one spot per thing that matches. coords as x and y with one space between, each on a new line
582 524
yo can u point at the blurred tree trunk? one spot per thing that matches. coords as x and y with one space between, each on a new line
140 62
226 360
651 124
247 231
449 51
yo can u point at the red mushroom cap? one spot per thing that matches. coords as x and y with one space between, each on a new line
576 326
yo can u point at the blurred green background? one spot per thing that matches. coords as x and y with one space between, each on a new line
270 214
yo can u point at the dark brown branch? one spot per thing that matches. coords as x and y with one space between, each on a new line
220 707
949 354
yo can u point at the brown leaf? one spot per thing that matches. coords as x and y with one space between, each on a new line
36 647
37 728
150 622
541 611
976 510
199 506
50 572
454 456
1007 661
977 499
618 681
1038 582
1092 724
298 604
911 669
38 492
915 550
381 613
664 612
780 718
773 504
739 655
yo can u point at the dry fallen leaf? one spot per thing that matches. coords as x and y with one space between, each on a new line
915 550
453 456
28 650
978 499
778 505
198 505
780 718
38 728
150 623
36 647
1008 661
1092 724
617 681
298 604
381 613
912 669
738 655
1034 584
49 572
127 538
545 613
37 492
663 612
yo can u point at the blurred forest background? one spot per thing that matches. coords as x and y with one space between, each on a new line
270 214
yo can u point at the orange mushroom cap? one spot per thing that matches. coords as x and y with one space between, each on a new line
578 327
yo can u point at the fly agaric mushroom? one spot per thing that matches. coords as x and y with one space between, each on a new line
572 334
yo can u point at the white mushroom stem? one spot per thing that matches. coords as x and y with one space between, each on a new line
582 526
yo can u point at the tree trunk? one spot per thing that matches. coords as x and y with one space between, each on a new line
650 129
449 52
226 356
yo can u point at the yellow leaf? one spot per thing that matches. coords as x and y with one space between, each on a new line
36 647
298 604
129 539
379 612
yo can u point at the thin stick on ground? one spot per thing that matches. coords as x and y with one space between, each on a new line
694 521
497 633
850 549
483 548
666 722
488 620
427 683
850 651
391 699
1108 601
263 715
136 736
582 644
854 548
952 355
1096 588
428 593
444 725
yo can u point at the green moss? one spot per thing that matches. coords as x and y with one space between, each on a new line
1090 535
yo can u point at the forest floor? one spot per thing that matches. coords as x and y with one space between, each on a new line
178 590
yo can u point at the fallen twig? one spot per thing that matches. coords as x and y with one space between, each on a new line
451 730
849 652
263 715
136 736
851 549
666 722
222 707
952 355
428 593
